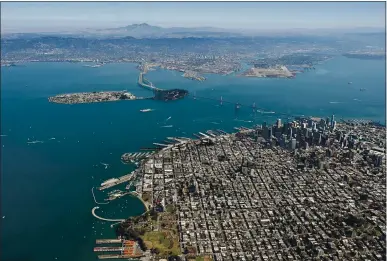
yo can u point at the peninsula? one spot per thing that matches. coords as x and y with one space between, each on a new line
91 97
307 189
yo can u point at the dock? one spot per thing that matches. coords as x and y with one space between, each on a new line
130 157
117 181
108 241
160 144
127 249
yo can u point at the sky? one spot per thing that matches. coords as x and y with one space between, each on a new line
63 16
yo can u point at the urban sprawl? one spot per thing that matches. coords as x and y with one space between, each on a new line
310 189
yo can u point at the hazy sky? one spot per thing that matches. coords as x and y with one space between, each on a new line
51 16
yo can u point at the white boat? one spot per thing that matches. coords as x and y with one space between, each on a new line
146 110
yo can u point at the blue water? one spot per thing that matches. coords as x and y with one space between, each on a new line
46 187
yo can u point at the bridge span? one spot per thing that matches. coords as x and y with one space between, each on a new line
150 86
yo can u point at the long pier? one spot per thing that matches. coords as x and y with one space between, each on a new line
119 181
105 219
95 200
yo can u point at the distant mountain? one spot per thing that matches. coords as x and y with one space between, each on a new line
145 30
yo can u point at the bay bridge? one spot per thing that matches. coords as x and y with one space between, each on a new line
143 82
146 84
238 106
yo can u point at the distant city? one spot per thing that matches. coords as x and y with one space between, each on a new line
193 52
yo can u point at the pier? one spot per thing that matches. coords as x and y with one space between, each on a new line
127 249
96 202
105 219
114 182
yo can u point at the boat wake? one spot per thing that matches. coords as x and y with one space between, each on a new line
35 141
105 164
243 120
335 102
167 126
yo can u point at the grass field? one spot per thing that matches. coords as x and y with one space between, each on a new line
163 241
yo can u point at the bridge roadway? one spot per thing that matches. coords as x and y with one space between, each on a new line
105 219
142 84
245 105
256 109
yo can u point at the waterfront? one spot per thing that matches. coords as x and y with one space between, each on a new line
46 197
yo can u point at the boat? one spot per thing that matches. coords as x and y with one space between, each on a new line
146 110
349 82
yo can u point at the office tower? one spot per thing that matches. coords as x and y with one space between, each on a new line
314 126
270 133
279 123
310 123
327 121
334 125
293 144
332 119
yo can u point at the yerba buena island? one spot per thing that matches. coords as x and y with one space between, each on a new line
306 189
193 131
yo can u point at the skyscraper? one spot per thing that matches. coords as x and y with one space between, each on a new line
279 123
310 123
293 144
270 133
314 127
332 119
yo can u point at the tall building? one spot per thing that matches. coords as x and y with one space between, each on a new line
270 133
327 121
310 123
279 123
332 119
293 144
314 126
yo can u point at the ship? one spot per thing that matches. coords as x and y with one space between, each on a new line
146 110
